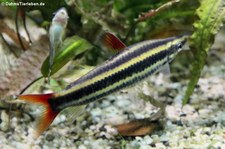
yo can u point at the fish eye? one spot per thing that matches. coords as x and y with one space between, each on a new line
62 13
179 46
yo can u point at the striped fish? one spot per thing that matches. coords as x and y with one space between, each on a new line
132 65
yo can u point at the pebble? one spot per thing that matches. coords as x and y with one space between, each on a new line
105 103
148 140
20 145
36 147
49 137
5 121
115 120
164 138
59 119
46 147
121 102
82 147
111 130
188 109
96 112
173 112
204 113
160 146
105 135
155 138
134 144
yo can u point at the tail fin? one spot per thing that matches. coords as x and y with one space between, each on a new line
48 114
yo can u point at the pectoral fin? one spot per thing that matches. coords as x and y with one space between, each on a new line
165 69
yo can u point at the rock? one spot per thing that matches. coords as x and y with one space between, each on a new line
148 140
164 138
82 147
160 145
5 121
173 112
188 109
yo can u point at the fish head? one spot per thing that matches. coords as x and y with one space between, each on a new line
175 46
61 16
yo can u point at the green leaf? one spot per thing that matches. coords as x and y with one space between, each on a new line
56 85
71 48
211 17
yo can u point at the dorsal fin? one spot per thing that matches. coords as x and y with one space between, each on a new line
112 42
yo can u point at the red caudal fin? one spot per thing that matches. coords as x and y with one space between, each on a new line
47 116
112 42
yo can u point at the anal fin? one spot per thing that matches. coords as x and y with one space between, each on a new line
73 112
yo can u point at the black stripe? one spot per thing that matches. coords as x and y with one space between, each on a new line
125 84
136 68
102 69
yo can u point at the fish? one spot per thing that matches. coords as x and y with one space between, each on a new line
56 33
128 67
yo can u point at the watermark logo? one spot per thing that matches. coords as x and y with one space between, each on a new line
22 3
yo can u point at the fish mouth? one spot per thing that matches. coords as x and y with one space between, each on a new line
61 20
